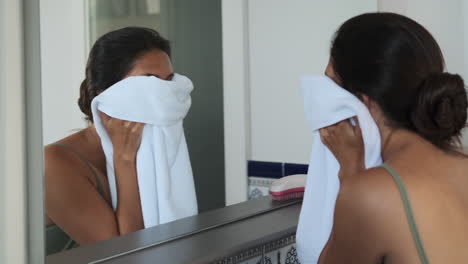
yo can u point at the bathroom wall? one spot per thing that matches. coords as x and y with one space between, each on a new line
288 40
2 131
63 60
12 155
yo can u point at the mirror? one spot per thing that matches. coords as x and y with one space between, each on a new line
194 31
245 127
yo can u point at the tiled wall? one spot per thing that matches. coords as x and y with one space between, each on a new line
261 174
282 251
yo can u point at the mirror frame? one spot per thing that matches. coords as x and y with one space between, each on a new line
35 239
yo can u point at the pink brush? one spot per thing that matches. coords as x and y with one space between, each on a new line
290 187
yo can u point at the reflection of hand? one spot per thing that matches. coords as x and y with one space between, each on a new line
346 143
125 136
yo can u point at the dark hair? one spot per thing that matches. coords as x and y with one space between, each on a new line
112 57
398 64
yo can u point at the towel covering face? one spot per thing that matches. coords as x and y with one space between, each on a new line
165 180
326 104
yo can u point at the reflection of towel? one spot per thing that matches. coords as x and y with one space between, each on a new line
326 104
165 177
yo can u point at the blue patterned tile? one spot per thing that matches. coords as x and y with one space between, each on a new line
291 256
259 186
265 260
256 193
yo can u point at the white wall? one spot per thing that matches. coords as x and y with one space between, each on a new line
287 40
448 23
63 59
267 46
12 156
236 99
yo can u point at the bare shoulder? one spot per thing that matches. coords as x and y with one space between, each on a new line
57 157
370 185
60 156
66 178
371 198
362 231
63 166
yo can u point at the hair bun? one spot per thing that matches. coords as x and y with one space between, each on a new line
441 110
84 101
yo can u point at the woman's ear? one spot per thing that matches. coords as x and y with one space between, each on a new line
373 107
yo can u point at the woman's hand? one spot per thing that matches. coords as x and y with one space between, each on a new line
345 142
125 136
126 140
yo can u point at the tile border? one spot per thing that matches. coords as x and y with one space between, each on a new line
274 170
258 251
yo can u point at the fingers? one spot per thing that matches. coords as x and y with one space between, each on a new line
331 134
137 128
112 122
345 128
323 135
357 127
328 135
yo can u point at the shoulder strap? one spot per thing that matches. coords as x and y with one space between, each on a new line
409 214
100 187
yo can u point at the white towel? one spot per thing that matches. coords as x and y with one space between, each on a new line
326 103
165 179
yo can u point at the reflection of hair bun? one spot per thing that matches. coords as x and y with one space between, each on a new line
84 102
440 112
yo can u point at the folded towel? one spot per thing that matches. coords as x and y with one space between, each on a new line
326 104
165 179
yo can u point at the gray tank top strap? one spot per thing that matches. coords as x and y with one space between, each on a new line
409 213
100 187
57 240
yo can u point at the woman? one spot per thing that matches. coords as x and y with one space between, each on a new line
396 68
78 207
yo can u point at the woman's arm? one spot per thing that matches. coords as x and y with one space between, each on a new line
128 213
72 200
360 225
126 139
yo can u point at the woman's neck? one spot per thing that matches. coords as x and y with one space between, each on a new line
94 143
394 141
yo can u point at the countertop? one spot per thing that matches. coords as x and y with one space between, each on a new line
203 238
